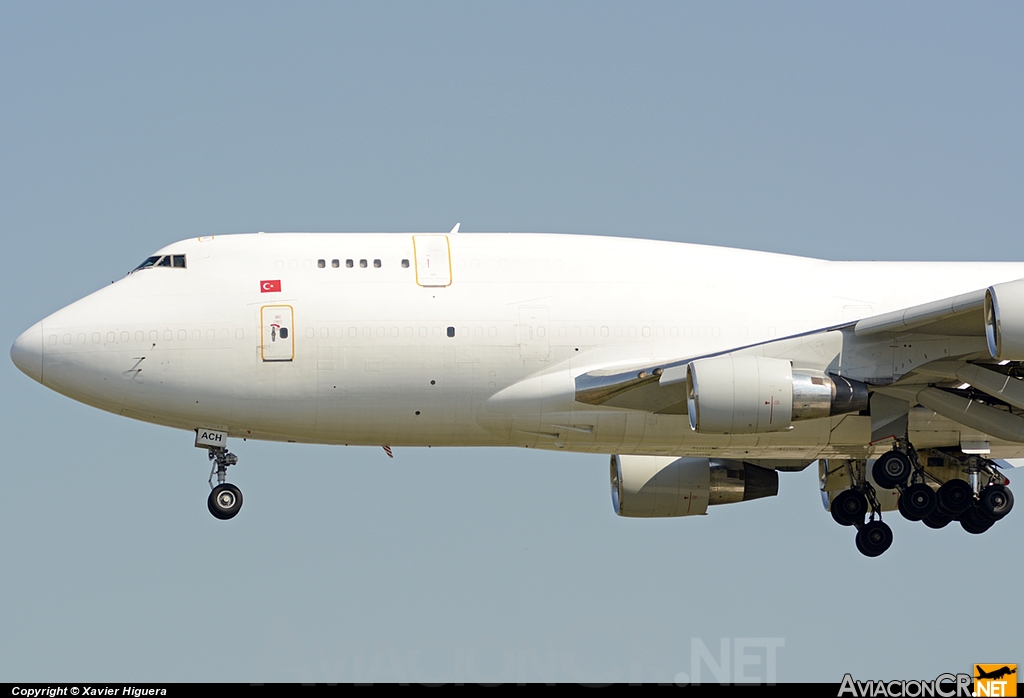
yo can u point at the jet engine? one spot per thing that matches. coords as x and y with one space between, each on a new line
757 395
1004 320
662 486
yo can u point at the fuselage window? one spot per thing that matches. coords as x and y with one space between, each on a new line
405 264
362 264
349 263
320 263
335 263
376 264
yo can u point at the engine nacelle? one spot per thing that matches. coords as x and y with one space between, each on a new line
757 395
1004 320
663 486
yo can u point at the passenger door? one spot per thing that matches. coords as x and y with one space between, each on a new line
277 333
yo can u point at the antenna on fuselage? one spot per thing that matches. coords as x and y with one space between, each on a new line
455 229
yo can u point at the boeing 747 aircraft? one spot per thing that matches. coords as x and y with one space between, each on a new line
703 372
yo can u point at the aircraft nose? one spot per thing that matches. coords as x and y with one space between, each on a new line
27 352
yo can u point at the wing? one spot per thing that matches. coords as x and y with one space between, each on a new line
960 357
938 384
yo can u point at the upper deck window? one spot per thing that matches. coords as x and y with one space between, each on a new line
167 260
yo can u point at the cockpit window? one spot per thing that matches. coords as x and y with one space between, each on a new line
150 261
167 260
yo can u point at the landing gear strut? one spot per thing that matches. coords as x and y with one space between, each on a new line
875 536
986 503
225 499
850 506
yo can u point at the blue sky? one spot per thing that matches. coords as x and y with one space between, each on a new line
867 131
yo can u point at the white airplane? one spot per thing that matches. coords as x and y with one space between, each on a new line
705 370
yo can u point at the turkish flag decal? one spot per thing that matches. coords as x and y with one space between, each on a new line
269 286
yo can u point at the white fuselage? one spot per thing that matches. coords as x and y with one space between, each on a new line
366 355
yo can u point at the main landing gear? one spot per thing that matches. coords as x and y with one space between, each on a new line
936 494
849 508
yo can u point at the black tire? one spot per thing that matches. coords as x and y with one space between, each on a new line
874 538
860 546
892 470
996 501
955 497
974 521
917 502
901 506
937 519
224 501
848 507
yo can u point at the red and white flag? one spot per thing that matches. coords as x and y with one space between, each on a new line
270 285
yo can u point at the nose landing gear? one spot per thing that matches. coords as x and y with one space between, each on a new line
225 499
